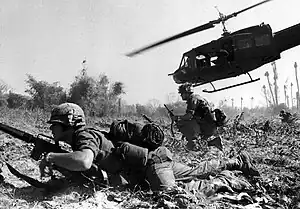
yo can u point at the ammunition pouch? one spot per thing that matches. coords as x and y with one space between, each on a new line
132 155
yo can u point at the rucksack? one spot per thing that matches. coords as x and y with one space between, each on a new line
220 117
149 135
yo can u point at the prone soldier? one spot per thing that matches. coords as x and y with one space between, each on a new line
131 162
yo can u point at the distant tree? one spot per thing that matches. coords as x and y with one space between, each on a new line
44 94
222 103
129 110
116 90
3 91
152 105
94 94
141 109
3 88
17 100
178 107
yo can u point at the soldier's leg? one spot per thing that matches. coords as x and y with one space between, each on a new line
209 129
242 162
203 170
159 172
191 130
160 176
226 181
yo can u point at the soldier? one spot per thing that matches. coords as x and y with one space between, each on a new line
285 116
89 146
198 122
126 161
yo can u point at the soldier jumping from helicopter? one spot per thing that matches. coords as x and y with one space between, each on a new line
198 123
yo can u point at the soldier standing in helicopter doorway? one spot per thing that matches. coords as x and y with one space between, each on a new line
198 124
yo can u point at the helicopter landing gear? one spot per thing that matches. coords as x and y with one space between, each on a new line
228 87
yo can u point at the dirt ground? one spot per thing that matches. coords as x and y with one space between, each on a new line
275 150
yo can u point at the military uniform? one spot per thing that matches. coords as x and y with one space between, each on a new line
126 160
156 167
202 125
162 172
135 163
286 117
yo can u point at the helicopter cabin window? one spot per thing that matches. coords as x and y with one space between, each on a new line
202 61
244 43
262 40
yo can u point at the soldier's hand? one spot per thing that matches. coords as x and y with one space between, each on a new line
45 166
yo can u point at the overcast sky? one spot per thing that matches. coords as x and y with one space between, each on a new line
50 38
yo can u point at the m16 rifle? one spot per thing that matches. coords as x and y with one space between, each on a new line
171 114
44 144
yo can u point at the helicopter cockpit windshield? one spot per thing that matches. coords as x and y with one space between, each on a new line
186 62
193 62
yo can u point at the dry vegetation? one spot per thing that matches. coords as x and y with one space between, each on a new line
274 148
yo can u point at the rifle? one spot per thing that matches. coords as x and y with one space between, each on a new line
45 144
171 114
147 118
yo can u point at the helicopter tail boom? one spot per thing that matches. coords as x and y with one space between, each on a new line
287 38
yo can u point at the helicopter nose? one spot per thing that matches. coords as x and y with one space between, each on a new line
176 79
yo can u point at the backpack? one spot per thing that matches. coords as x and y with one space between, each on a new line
220 117
149 135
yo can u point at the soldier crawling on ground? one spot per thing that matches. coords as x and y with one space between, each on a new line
148 165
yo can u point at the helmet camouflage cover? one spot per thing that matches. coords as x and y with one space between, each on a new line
185 88
68 114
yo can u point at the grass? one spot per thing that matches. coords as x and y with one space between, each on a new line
275 151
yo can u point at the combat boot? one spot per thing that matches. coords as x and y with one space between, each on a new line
244 163
216 142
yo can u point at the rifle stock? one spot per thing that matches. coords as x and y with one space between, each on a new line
42 146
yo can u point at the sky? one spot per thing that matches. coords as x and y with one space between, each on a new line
49 39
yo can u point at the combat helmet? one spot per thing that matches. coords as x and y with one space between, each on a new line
68 114
185 88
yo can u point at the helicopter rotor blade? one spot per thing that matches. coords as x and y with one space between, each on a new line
243 10
200 28
172 38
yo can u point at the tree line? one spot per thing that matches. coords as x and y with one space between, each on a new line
98 96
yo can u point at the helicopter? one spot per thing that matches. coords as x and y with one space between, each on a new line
231 55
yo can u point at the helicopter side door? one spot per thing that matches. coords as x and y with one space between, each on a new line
244 46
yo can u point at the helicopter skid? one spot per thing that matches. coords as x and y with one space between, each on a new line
228 87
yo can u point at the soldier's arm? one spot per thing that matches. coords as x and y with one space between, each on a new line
186 116
85 150
76 161
190 111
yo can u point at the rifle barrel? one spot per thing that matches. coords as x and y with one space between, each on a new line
29 138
